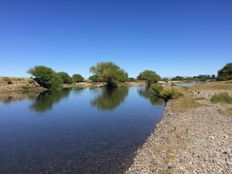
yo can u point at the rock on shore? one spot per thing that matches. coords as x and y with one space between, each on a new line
195 141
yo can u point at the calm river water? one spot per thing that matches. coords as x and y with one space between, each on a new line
81 131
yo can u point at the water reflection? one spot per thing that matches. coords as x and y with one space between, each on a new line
110 98
47 99
10 97
145 92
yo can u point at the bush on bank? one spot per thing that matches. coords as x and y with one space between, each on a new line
165 93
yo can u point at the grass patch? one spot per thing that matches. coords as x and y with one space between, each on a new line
221 98
171 93
7 80
184 103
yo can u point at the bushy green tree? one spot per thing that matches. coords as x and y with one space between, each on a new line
65 77
77 78
109 72
202 77
149 76
177 78
132 79
226 72
46 77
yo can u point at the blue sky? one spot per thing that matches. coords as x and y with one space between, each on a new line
171 37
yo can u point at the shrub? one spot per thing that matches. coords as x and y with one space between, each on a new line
156 89
77 78
149 76
65 77
171 94
221 98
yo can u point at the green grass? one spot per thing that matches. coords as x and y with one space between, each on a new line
221 98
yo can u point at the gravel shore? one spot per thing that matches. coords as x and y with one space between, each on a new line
195 141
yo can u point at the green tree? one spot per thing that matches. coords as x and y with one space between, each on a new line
77 78
149 76
46 77
178 78
109 72
226 72
65 77
132 79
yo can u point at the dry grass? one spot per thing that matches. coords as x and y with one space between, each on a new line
227 112
225 85
181 89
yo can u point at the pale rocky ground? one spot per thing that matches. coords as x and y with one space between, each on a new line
195 141
19 84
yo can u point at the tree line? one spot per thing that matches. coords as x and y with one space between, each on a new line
112 74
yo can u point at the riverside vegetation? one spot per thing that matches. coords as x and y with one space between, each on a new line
112 75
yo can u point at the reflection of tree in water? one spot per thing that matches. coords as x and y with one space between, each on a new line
146 93
77 91
110 98
46 100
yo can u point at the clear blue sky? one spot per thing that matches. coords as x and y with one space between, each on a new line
172 37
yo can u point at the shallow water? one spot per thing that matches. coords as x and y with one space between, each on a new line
75 131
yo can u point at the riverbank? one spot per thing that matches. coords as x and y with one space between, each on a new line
194 136
14 84
27 84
